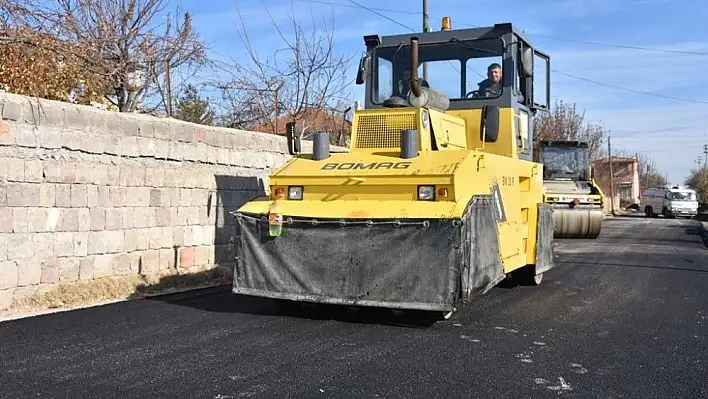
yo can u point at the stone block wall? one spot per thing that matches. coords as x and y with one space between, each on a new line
88 194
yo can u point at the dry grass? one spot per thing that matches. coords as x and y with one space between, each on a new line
84 293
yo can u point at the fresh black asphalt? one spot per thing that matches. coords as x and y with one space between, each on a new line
622 316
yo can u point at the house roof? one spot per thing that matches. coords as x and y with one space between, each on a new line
315 118
619 160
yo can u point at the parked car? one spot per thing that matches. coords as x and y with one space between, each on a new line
675 201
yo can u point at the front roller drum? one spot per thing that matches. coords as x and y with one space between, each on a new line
577 223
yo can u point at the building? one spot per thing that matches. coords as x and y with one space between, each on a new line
310 120
625 173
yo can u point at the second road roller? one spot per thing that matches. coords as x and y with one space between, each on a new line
569 187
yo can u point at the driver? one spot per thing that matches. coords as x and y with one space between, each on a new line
493 84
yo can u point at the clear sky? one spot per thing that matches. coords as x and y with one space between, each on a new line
671 131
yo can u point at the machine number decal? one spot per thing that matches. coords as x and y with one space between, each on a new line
508 181
496 193
363 166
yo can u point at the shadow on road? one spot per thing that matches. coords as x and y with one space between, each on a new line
681 269
693 231
222 300
687 243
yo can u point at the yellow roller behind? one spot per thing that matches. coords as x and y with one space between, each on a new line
577 223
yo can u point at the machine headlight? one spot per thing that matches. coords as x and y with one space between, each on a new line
426 193
295 193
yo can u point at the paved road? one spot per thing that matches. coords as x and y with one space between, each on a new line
625 316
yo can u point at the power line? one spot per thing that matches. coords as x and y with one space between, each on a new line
331 3
628 89
552 70
399 24
626 46
381 15
604 44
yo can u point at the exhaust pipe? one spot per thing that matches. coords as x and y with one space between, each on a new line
409 144
415 84
420 97
320 146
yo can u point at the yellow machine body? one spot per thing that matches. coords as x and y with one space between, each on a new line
362 228
373 182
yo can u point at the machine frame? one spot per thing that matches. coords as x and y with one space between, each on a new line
400 248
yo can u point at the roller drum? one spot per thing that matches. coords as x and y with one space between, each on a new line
577 223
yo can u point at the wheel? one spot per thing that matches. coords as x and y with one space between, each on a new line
648 211
538 279
527 276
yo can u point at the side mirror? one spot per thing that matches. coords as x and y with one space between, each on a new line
489 128
363 67
294 145
526 62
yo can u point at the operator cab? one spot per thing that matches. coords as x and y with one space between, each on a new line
564 160
456 64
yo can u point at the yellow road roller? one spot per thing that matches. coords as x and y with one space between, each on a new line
569 188
437 199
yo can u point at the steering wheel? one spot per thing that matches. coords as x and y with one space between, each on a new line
475 93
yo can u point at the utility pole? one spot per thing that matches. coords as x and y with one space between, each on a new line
168 87
426 28
705 156
276 111
638 167
612 177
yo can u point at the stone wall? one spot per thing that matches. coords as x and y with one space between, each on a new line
87 194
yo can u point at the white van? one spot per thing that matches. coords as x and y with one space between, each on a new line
671 202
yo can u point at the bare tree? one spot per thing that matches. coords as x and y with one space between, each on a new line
304 80
564 122
649 173
698 180
122 41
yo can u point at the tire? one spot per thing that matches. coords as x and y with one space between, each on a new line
648 211
527 276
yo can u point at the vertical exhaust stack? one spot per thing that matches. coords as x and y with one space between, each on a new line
421 97
320 146
415 84
409 144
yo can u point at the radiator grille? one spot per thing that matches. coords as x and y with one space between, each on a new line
383 130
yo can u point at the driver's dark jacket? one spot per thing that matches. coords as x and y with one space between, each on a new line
485 88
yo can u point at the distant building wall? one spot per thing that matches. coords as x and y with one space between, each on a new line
625 176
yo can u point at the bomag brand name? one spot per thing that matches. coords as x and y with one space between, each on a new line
365 166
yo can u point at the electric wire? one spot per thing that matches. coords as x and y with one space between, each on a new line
372 10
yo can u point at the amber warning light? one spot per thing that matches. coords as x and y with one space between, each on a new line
446 23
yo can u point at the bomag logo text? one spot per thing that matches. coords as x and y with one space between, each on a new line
366 166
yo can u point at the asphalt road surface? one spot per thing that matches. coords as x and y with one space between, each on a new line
622 316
